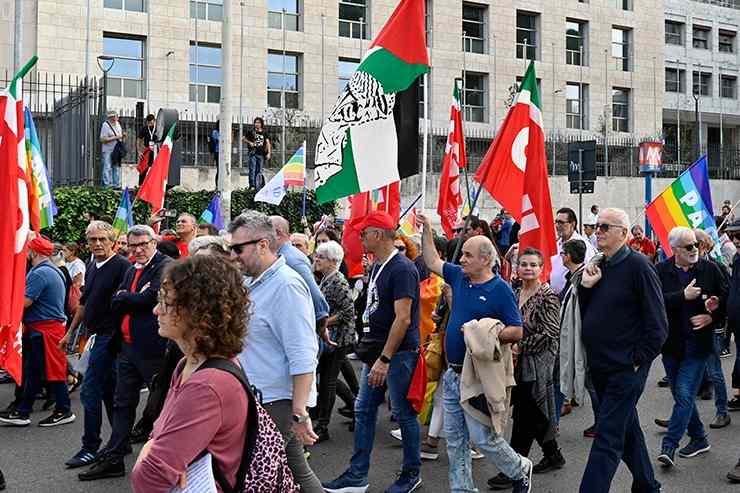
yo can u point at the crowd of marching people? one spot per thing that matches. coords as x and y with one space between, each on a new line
247 337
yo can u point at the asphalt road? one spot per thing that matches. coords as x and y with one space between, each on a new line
32 458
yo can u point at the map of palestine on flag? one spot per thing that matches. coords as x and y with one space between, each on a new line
371 137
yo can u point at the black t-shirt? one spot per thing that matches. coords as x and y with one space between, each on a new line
398 279
147 135
260 140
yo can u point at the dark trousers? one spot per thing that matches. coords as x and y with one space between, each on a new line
736 368
34 374
133 372
329 366
618 433
160 387
348 391
529 423
98 388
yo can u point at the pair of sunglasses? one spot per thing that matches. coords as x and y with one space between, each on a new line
238 248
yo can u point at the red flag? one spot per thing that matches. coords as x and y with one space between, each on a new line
14 223
450 199
155 183
514 171
144 161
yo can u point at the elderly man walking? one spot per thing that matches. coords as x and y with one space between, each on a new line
624 325
281 349
695 293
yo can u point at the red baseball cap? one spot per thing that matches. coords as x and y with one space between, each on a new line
375 219
42 246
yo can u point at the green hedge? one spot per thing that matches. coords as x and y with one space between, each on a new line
73 202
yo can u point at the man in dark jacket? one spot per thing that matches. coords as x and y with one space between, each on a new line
733 314
142 349
624 326
695 294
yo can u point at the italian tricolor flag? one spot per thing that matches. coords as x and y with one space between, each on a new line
155 183
370 139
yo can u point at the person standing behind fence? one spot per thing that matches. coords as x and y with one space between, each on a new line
260 151
111 134
146 141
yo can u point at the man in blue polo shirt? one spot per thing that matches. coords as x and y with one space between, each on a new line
476 293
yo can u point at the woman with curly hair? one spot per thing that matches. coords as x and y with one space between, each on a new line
202 307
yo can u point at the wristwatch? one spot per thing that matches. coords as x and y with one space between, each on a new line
300 418
384 359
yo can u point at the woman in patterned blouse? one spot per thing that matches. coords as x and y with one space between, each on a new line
335 288
534 396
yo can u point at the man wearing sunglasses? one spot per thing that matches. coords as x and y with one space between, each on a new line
281 349
624 326
695 293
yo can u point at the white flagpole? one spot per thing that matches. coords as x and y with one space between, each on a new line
425 151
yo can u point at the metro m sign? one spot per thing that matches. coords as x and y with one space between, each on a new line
651 157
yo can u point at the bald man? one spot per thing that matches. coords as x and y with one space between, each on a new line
477 292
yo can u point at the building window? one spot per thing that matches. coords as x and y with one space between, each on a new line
675 80
130 5
428 23
702 83
475 93
620 109
727 41
126 77
353 19
275 14
623 4
207 10
206 76
621 48
576 106
283 74
474 28
526 35
575 42
674 33
702 37
345 68
728 86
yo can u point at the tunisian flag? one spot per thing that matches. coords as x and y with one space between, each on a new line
514 171
450 199
155 183
14 222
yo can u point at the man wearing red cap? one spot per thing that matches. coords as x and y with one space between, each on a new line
388 349
43 320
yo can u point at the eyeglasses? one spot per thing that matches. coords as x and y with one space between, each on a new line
238 248
560 222
401 248
134 246
457 230
690 247
604 227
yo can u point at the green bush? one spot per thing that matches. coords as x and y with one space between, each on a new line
73 202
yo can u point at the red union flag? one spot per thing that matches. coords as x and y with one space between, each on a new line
155 184
14 222
514 171
450 198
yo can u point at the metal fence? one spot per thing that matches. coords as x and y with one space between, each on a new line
69 111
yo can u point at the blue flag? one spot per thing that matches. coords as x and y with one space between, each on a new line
212 214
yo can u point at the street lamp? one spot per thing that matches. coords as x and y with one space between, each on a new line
105 63
697 122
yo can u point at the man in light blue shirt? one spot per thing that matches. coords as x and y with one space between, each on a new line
281 350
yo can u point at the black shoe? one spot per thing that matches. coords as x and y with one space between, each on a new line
663 423
720 421
58 418
734 404
667 457
323 434
108 467
551 463
81 459
347 412
8 410
663 382
14 418
500 482
139 435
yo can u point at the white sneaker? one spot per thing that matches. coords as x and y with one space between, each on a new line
475 455
397 434
352 356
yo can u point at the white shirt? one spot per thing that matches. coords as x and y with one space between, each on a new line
557 274
107 131
75 267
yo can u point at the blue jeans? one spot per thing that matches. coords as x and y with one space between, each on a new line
97 389
398 380
34 374
460 429
256 161
111 174
618 434
714 368
685 376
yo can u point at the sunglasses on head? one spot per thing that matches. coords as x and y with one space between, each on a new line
604 227
690 247
238 248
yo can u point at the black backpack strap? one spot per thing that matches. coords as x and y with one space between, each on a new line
252 425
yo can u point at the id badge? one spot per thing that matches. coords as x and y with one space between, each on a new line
365 322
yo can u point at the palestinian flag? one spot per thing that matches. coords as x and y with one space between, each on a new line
371 138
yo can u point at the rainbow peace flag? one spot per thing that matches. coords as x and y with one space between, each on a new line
124 215
294 171
408 226
41 192
686 202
